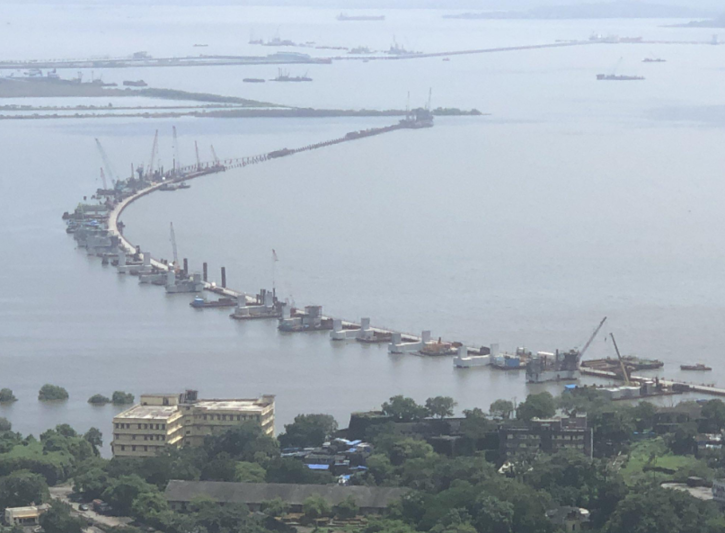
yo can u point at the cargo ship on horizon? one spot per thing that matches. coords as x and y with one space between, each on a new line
343 17
618 77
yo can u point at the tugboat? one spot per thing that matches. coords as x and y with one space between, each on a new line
616 77
698 367
284 75
417 118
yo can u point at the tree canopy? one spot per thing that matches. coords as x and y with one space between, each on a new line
404 409
540 405
50 392
308 430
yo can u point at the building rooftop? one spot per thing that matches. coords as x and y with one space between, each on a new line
230 405
149 412
293 494
27 512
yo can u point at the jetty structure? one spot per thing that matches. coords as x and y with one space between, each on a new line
559 366
263 305
363 332
464 360
95 225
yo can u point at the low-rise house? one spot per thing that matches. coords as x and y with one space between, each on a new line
370 500
25 516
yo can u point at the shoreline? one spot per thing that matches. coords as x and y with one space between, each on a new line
236 112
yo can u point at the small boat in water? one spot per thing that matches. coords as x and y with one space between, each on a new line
617 77
174 186
345 18
698 367
254 80
201 303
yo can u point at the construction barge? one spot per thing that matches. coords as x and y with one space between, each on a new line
202 303
631 362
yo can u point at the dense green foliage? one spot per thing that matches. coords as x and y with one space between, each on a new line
501 409
469 489
316 507
122 398
58 519
56 456
308 430
99 399
537 406
404 409
22 488
49 393
5 424
7 396
440 406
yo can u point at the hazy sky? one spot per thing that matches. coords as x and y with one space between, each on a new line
717 5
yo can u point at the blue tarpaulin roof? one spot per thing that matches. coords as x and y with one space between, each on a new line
318 467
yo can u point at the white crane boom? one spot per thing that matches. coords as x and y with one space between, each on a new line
154 151
103 179
177 159
213 153
586 346
173 247
625 374
106 163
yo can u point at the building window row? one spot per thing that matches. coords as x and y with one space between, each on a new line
230 418
123 425
133 448
118 436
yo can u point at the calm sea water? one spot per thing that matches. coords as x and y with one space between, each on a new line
573 200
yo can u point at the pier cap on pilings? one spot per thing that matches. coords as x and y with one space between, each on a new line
462 351
396 338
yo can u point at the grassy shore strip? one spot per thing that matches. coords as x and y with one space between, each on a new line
69 89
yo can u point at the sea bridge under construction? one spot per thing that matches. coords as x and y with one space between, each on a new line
98 228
